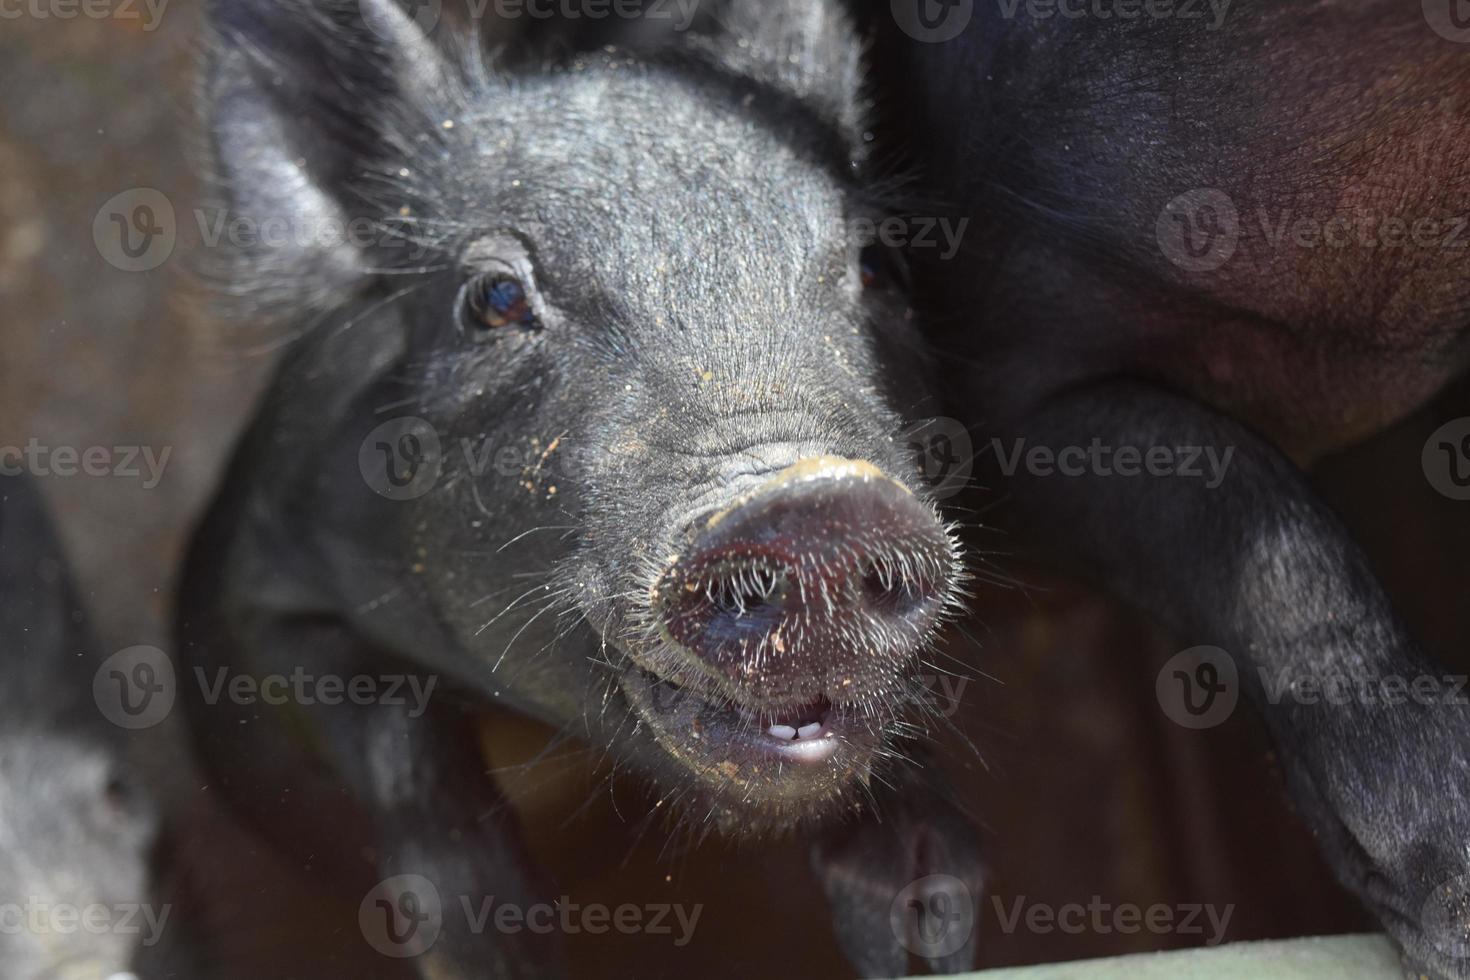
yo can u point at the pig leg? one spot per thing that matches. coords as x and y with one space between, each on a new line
905 879
1258 566
440 818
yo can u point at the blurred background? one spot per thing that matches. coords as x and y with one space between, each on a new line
1084 786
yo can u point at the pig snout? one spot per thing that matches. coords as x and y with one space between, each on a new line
820 583
785 633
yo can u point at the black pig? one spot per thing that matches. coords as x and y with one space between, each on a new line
76 824
1240 228
685 529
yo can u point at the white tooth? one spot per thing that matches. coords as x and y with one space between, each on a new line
782 731
809 731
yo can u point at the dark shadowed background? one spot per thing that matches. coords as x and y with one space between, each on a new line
1086 788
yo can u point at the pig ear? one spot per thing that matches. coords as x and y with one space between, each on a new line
304 102
809 49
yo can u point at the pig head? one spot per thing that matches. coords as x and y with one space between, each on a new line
595 416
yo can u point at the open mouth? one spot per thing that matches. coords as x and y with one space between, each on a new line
807 733
720 733
807 724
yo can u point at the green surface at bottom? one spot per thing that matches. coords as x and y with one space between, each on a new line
1327 958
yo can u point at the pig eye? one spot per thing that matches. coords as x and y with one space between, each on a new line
496 300
880 268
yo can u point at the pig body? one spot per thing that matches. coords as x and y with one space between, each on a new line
1241 231
599 424
76 829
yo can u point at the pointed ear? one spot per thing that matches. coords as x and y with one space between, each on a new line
304 103
808 49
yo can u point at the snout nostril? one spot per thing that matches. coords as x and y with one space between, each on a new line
820 573
727 600
743 590
888 591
